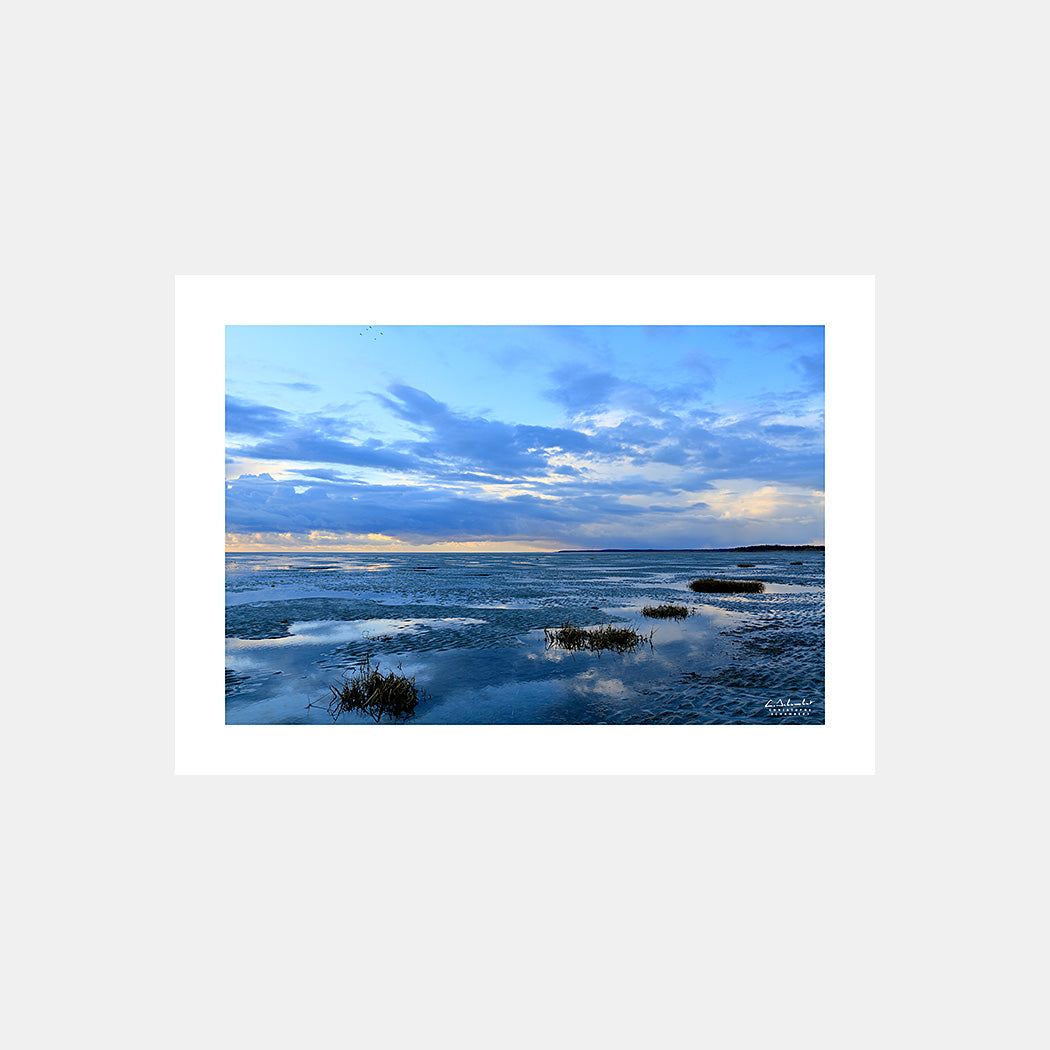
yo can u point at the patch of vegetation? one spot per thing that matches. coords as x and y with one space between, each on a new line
666 612
368 691
713 586
568 636
608 636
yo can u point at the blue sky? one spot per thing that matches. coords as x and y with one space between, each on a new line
387 438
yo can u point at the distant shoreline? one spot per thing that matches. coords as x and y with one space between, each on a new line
757 548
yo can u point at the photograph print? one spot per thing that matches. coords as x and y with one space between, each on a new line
498 525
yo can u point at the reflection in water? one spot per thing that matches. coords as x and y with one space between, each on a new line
319 632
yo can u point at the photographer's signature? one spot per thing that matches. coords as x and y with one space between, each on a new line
782 707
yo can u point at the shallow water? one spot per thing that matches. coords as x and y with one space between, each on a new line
469 627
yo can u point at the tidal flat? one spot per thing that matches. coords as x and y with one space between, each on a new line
470 630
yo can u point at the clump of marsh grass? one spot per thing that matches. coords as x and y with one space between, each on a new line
712 586
368 691
666 612
609 636
568 636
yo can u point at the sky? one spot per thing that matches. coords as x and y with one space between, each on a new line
470 438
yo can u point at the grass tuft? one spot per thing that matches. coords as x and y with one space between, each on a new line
712 586
666 612
368 691
608 636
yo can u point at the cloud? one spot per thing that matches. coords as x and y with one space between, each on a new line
582 391
811 367
247 417
452 441
777 338
307 446
307 388
334 476
253 505
425 515
603 481
587 394
453 447
704 367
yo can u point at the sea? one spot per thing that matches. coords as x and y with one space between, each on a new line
470 630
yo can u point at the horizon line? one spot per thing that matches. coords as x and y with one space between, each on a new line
758 547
